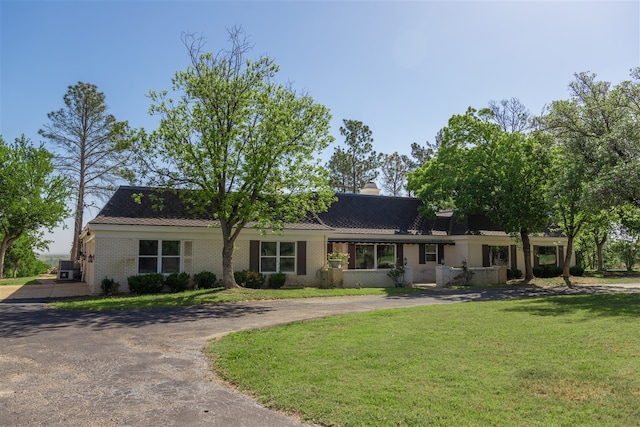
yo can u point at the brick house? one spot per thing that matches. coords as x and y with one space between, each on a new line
128 238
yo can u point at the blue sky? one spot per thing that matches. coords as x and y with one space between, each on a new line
402 68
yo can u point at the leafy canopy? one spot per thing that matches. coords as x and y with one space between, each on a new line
33 196
481 169
247 144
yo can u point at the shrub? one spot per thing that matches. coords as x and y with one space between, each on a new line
205 280
249 279
513 274
177 282
276 280
547 271
576 270
109 286
146 283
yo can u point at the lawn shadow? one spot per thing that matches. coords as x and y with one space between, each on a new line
617 304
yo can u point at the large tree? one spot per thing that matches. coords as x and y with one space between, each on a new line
33 196
358 163
481 169
511 114
89 146
245 144
597 136
21 256
419 156
394 169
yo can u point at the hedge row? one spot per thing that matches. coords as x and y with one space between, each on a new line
178 282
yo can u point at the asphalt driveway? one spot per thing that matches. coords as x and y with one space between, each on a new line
146 367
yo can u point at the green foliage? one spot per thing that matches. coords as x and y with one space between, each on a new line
205 280
20 258
627 251
397 274
33 196
597 138
249 279
547 271
576 270
394 170
351 168
177 282
248 145
146 283
480 168
276 280
109 286
513 274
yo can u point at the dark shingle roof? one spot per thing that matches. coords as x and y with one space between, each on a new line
371 214
163 207
351 213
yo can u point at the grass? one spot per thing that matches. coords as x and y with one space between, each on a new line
558 361
218 296
20 281
214 296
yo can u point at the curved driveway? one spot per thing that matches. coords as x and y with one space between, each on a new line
146 367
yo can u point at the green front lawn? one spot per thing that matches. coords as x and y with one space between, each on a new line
215 296
558 361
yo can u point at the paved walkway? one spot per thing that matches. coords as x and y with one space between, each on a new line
147 368
48 289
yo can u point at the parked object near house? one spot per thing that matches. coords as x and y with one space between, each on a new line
156 234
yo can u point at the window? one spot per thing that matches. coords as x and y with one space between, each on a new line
499 255
547 255
375 256
159 256
277 257
430 253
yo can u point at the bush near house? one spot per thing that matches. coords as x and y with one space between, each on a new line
109 286
146 283
249 279
276 280
576 270
547 271
205 280
177 282
513 274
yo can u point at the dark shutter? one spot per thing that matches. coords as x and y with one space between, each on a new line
485 256
301 256
352 256
536 259
421 254
514 258
560 260
440 254
254 255
399 254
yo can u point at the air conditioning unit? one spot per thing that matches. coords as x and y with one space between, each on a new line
65 274
67 270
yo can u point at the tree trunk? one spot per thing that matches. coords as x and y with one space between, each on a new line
77 226
526 248
599 246
3 250
228 280
566 273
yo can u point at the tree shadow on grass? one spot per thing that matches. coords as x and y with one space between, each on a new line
618 304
